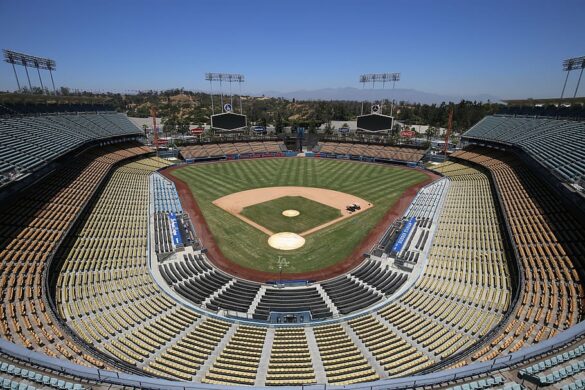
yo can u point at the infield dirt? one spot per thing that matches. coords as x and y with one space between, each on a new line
236 202
355 258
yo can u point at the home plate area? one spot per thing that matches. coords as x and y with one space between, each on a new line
286 241
289 214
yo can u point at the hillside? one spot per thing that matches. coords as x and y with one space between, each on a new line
180 107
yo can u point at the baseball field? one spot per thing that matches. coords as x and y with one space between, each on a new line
241 227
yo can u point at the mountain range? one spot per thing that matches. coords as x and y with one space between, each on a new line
398 94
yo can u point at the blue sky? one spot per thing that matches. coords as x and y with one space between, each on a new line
510 49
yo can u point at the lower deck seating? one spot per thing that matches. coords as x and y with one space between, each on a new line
282 300
290 359
391 351
238 362
198 289
165 197
370 283
462 293
163 240
550 243
104 289
381 277
469 216
191 266
237 297
31 228
195 280
342 360
458 299
184 358
348 295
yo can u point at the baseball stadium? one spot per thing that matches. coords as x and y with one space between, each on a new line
134 258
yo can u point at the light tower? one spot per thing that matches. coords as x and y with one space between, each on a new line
26 60
377 78
227 120
375 121
569 65
227 78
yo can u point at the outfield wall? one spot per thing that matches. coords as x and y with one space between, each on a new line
246 156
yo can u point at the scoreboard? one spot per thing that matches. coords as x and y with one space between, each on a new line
228 121
375 122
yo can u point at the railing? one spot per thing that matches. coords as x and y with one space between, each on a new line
432 379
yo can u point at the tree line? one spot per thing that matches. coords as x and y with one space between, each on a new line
180 108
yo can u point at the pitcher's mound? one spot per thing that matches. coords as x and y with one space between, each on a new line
286 241
290 213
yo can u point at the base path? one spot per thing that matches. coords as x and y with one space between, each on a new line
236 202
353 260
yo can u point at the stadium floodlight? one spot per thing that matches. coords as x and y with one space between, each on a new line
379 77
574 63
569 65
383 78
227 78
26 60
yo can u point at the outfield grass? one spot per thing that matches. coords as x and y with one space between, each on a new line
247 246
269 214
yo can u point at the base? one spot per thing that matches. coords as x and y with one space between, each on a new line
291 213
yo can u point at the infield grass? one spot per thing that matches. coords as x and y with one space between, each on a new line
248 246
269 214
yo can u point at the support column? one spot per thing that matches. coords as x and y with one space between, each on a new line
52 81
564 85
578 82
16 75
40 79
28 77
